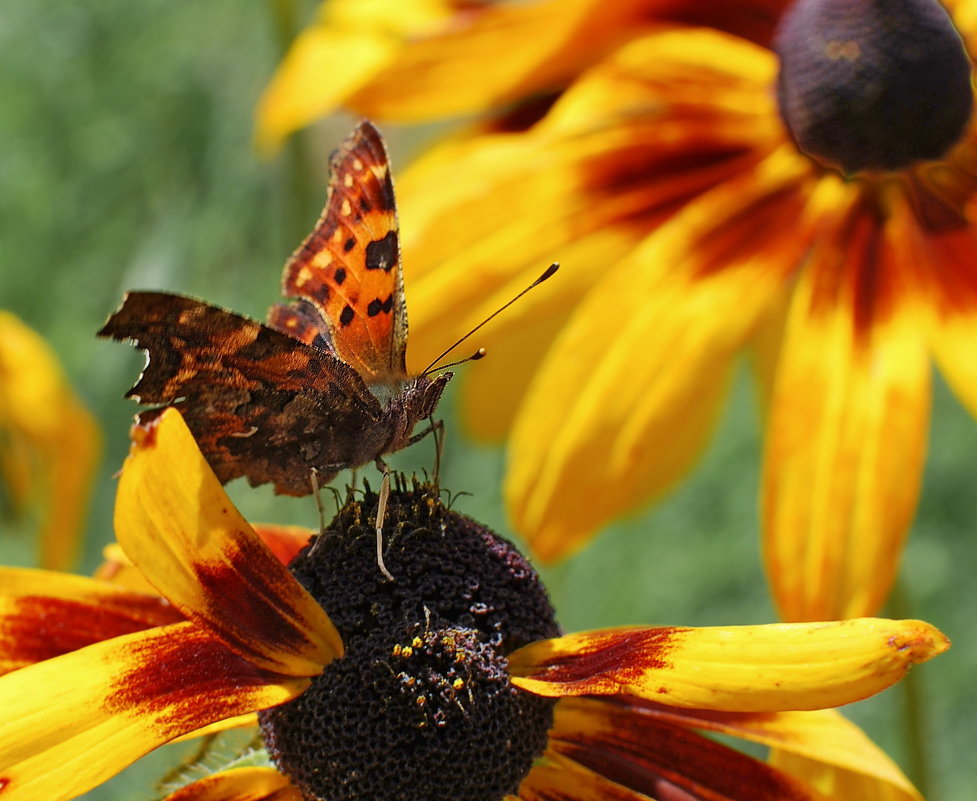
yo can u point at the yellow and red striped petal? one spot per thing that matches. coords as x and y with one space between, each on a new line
629 392
239 784
92 712
812 745
849 416
44 614
765 668
654 757
51 443
178 526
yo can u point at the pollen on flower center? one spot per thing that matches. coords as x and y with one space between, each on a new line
872 84
421 706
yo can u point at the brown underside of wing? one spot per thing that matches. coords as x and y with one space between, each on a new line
260 404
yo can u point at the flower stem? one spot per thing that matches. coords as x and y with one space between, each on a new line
913 704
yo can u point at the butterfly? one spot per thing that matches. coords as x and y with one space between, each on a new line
323 386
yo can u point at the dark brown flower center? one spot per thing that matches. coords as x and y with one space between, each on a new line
872 84
421 706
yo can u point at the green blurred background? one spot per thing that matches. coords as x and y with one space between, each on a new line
126 162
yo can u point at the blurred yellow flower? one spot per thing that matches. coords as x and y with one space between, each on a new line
652 148
49 443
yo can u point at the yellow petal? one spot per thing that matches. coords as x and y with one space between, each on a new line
44 614
831 753
629 391
239 784
248 720
347 46
812 745
178 526
745 668
848 422
457 70
49 443
93 712
652 756
484 213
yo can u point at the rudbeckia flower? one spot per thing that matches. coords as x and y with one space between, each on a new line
794 178
49 443
452 681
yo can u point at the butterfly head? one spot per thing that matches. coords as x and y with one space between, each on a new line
417 401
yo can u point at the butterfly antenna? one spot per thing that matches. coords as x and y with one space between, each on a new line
481 351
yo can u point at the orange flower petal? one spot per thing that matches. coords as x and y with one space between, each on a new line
45 614
849 415
283 541
741 668
652 756
239 784
51 444
178 526
647 356
93 712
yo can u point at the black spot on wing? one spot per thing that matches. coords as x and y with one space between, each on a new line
374 308
346 315
382 253
339 276
387 195
349 244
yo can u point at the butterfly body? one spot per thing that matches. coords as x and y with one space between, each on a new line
323 386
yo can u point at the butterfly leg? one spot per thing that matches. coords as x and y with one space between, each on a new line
436 429
381 512
314 481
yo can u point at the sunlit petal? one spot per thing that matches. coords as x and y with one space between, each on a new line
643 394
743 668
44 614
49 443
849 416
94 711
239 784
178 526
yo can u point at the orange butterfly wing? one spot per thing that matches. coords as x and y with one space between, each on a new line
349 267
